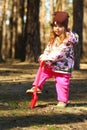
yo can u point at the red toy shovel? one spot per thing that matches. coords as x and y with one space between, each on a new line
34 94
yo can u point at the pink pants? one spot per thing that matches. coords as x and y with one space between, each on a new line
62 82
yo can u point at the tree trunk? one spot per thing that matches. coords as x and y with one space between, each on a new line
33 48
3 46
42 23
14 28
51 9
24 13
85 31
20 27
77 27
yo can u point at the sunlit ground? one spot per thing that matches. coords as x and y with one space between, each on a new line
15 112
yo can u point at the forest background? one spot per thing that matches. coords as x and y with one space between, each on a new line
24 31
25 26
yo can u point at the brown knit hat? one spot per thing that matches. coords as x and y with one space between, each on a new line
61 18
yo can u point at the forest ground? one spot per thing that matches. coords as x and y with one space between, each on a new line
15 113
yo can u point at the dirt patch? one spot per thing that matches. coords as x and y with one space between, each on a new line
15 112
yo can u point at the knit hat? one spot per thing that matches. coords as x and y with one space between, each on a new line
61 18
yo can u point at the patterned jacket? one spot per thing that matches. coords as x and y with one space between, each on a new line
60 58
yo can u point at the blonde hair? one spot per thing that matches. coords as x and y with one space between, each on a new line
53 36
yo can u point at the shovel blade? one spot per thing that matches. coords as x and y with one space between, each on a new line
33 101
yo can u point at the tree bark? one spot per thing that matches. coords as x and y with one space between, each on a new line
85 31
33 48
14 28
20 29
77 27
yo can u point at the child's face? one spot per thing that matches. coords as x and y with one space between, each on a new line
58 30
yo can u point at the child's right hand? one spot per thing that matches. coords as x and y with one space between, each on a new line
49 63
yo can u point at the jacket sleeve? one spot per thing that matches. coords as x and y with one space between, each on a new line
57 55
45 53
54 55
49 54
59 52
73 37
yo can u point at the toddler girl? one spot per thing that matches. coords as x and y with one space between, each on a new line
59 58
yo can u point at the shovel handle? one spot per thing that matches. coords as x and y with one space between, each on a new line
42 63
34 94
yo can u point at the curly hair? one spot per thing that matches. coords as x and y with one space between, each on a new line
53 36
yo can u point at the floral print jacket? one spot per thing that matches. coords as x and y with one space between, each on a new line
60 58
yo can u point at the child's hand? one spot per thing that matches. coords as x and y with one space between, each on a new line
42 57
49 63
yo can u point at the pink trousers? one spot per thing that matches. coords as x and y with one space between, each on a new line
62 82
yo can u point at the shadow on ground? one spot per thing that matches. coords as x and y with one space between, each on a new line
37 119
14 102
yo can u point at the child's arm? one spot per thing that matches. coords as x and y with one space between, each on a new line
45 54
53 56
60 52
